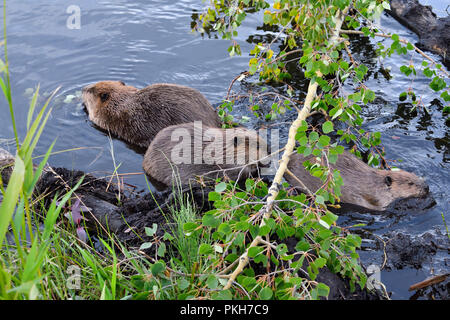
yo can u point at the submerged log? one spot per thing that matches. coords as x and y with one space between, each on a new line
433 32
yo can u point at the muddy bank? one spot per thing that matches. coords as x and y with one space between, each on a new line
433 32
420 252
127 215
403 250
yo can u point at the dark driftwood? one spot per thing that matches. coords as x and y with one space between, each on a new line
433 32
429 282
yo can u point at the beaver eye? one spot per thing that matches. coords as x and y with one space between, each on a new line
388 181
104 96
122 83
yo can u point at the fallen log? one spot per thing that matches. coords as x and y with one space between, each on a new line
433 32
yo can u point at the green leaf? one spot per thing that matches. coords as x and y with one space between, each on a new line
151 231
320 200
437 84
224 228
189 227
322 290
313 137
32 107
303 127
221 187
324 140
320 262
205 249
162 249
214 196
303 141
254 251
158 267
265 293
145 245
223 295
212 282
264 230
210 220
327 127
182 284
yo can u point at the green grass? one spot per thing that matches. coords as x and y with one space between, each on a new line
39 258
44 259
187 255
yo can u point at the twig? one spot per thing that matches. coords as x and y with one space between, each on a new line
429 282
383 35
243 74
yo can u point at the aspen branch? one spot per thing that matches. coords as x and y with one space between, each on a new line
383 35
266 210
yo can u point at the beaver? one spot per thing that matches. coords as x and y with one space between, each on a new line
180 153
363 186
137 115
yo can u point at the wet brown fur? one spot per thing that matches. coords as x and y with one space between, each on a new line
138 115
159 165
364 186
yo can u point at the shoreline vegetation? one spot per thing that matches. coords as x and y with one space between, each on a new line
86 239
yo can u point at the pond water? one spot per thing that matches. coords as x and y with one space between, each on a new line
144 42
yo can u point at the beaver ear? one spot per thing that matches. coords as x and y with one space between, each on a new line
104 96
388 181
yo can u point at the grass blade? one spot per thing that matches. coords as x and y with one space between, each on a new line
11 196
32 107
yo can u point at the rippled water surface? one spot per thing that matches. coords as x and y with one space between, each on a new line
144 42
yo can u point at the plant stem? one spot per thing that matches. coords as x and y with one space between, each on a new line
290 145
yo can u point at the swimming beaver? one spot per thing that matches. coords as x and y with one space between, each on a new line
138 115
183 152
364 186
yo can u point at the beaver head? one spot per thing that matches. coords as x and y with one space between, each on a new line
394 187
363 186
104 100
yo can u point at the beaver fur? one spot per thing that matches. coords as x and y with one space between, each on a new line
136 116
181 153
363 186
